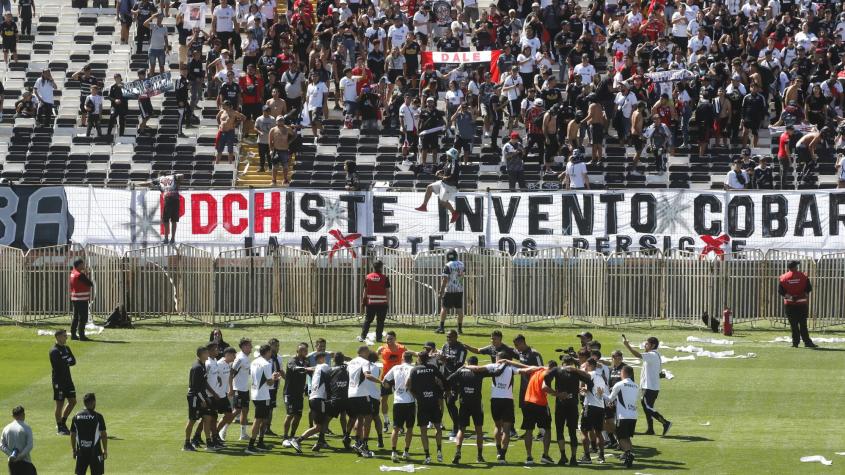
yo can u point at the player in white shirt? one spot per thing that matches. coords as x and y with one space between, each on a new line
624 395
224 367
375 395
317 96
592 419
650 381
404 404
214 391
261 377
358 406
240 384
501 400
317 401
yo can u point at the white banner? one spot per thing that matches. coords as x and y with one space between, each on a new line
674 75
193 15
601 221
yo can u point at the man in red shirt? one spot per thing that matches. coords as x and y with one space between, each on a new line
374 299
795 289
252 93
360 69
784 152
80 294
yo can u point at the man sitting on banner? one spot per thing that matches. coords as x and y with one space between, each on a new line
447 186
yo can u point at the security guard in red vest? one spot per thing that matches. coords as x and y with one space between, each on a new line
795 289
80 294
374 299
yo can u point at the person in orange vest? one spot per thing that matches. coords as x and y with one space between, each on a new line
80 294
795 289
374 300
391 355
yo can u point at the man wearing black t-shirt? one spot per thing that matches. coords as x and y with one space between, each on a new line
293 392
495 347
467 384
453 355
61 359
528 357
199 405
427 383
337 395
566 383
616 367
88 438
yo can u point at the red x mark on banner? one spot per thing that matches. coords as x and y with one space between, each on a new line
714 245
343 242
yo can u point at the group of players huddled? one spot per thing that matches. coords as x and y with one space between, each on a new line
356 390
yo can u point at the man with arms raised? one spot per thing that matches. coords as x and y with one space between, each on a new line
650 381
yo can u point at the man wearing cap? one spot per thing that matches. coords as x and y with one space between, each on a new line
447 187
513 156
534 126
794 286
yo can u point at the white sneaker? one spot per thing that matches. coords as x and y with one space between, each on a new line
243 437
427 461
406 455
222 434
439 456
359 339
394 457
286 443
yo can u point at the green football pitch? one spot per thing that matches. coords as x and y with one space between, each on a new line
755 415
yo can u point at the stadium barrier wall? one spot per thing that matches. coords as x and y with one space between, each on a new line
216 286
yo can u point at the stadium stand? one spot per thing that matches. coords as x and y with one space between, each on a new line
67 38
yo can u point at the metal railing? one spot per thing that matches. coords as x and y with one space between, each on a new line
218 286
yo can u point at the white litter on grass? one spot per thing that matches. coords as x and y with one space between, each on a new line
410 468
712 341
664 359
817 458
787 339
641 473
668 374
840 453
90 329
702 353
704 423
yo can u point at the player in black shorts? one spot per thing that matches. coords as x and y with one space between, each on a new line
276 366
337 395
89 438
61 359
616 368
9 30
199 406
294 391
426 383
467 384
566 383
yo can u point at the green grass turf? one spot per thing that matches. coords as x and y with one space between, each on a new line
764 413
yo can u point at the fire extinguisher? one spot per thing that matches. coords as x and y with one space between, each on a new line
727 322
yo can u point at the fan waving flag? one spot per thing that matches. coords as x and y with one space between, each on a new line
464 57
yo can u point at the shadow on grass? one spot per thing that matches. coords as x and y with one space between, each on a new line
687 438
98 340
828 349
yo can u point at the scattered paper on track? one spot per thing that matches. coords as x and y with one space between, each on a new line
410 468
702 353
712 341
817 458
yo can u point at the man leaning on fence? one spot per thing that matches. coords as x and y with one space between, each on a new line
80 294
794 286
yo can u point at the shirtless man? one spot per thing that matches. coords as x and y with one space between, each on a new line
280 138
278 106
550 133
227 119
597 121
637 119
805 151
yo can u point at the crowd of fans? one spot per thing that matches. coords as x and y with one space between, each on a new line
658 76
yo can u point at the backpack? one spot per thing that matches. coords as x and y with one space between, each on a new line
118 319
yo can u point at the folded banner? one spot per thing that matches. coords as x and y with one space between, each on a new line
464 57
149 87
674 75
775 130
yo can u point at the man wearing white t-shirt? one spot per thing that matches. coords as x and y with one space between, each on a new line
404 404
224 26
215 387
501 400
585 70
224 367
317 100
512 86
261 377
396 34
358 406
680 22
650 381
422 25
575 176
623 395
592 418
317 401
240 384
